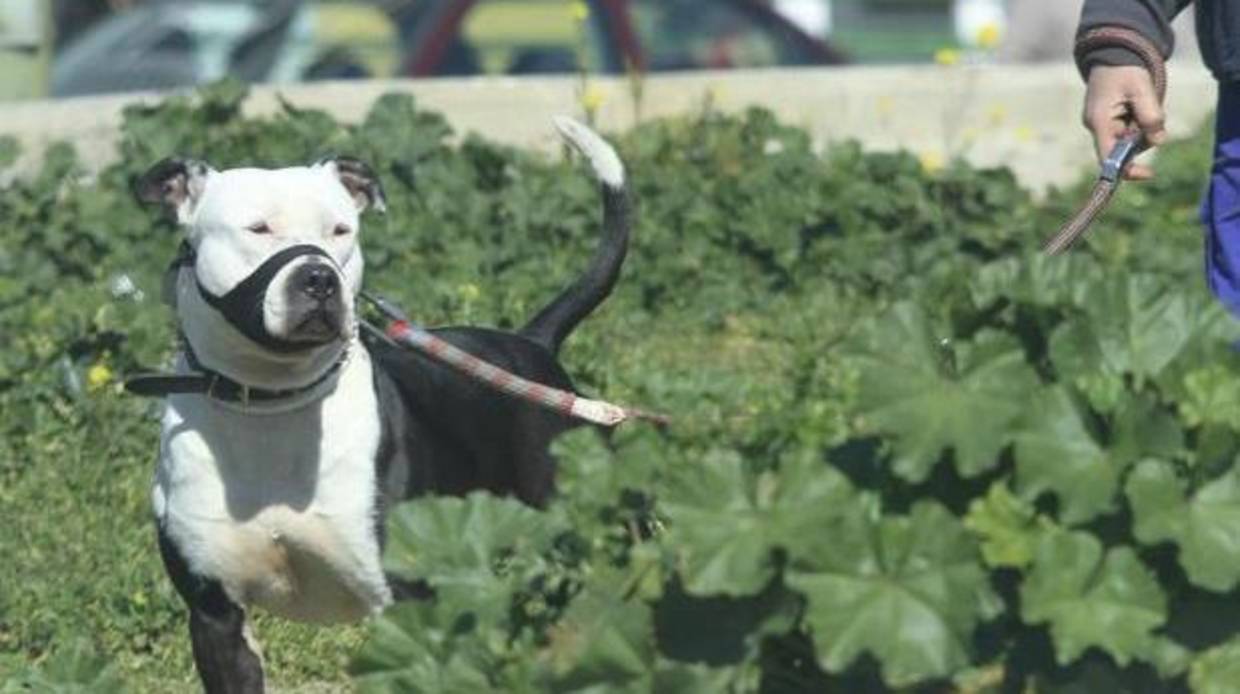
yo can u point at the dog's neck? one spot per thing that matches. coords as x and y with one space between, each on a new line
230 392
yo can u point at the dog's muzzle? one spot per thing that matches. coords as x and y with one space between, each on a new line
242 306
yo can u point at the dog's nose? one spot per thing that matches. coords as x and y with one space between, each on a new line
318 281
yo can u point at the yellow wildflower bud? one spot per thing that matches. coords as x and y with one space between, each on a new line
98 376
579 10
947 56
931 162
988 36
997 114
592 99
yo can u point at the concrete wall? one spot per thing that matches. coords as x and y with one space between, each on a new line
1025 117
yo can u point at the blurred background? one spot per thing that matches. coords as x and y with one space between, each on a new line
987 81
75 47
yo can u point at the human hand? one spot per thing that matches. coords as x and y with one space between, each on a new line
1118 98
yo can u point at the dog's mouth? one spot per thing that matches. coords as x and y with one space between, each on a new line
320 324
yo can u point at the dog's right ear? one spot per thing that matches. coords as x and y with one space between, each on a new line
175 183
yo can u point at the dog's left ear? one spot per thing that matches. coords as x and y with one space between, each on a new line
175 183
360 180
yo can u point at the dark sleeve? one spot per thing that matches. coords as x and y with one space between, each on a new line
1149 18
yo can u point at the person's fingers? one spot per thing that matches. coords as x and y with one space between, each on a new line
1117 99
1138 172
1148 113
1105 135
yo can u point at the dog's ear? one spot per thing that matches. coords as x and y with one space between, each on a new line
360 180
175 183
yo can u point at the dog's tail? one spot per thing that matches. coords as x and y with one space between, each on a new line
557 319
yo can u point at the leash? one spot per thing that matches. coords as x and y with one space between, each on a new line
404 332
1126 148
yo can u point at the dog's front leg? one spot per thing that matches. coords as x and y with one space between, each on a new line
227 658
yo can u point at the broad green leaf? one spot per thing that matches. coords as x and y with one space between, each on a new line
605 643
1090 599
492 540
1211 396
1133 324
1206 527
414 647
1037 280
931 395
909 590
594 474
602 640
725 523
1008 527
1058 452
1141 427
1216 671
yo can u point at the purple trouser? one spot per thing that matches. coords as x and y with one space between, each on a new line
1220 211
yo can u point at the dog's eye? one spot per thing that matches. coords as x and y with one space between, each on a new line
341 230
259 228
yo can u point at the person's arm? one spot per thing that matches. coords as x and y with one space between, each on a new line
1120 89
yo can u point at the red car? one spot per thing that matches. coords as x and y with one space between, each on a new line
521 37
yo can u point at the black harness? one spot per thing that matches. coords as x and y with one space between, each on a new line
242 307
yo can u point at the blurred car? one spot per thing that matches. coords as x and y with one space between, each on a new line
168 44
22 66
521 37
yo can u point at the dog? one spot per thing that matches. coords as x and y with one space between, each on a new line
287 435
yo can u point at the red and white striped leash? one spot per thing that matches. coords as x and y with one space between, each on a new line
404 332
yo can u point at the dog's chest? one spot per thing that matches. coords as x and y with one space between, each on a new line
279 508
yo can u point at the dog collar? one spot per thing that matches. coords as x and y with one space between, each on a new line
216 385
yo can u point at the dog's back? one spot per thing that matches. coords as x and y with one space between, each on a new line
446 433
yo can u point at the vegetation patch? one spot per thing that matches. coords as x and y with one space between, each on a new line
908 453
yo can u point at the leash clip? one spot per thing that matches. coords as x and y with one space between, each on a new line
1121 154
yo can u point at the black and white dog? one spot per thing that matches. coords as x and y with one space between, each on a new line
286 436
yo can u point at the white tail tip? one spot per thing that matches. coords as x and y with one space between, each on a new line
603 158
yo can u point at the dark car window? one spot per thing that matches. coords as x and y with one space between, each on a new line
715 34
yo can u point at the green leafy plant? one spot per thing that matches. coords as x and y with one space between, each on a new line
908 453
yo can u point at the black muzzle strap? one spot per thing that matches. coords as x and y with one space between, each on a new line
242 306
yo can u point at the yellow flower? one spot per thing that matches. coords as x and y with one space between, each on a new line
592 99
1025 133
931 162
886 105
579 10
98 376
470 292
947 56
988 36
997 114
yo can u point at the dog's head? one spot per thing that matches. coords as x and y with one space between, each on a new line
265 294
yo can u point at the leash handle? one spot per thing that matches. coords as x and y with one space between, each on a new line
1126 148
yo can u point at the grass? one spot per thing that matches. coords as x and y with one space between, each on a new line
82 562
